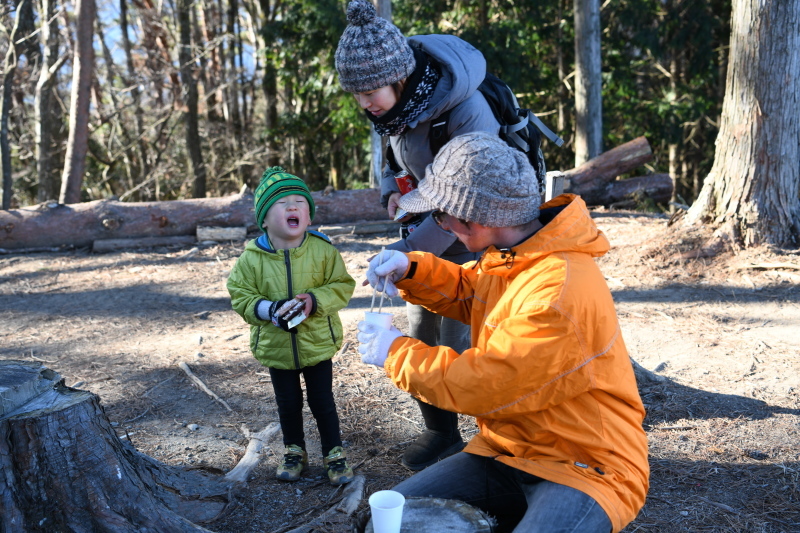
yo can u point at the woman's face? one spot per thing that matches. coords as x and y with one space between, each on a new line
377 102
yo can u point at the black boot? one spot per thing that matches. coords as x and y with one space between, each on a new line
440 439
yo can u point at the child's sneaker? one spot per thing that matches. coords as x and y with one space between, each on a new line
336 465
295 459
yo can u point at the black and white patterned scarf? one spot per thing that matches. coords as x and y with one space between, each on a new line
414 100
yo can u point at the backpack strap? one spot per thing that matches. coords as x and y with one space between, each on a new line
546 131
391 160
438 135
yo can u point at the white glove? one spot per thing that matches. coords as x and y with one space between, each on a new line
263 310
375 342
386 268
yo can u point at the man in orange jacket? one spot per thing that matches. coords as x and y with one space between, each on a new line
548 378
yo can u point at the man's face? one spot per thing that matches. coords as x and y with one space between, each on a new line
474 236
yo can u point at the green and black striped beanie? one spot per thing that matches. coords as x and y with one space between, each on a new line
275 184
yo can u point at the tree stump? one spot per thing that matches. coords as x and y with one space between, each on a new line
65 469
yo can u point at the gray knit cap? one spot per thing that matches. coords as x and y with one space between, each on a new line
479 178
372 52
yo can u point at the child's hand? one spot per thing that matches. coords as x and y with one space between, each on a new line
309 301
277 320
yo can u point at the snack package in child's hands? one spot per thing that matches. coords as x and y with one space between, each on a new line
292 312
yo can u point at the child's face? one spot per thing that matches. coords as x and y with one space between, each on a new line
379 101
287 220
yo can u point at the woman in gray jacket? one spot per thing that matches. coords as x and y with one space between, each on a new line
404 85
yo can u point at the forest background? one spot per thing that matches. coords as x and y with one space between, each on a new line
262 73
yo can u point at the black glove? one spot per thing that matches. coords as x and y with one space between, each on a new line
280 322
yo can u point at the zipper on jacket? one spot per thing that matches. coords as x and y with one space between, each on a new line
258 337
330 328
288 264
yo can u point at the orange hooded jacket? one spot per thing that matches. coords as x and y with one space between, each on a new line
548 376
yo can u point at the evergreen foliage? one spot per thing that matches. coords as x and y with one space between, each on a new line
664 66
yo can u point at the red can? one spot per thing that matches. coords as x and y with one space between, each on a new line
405 182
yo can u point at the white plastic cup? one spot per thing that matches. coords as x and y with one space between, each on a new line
387 511
383 320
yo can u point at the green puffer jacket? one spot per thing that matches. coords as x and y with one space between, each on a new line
314 267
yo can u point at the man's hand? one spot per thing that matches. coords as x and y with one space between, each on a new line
386 268
392 206
375 342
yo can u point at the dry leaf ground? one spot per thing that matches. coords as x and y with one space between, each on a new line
723 426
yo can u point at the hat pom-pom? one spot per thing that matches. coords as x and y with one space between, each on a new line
270 171
361 13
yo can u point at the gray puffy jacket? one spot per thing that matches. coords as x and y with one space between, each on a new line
463 68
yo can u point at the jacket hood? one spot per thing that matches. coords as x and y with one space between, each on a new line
463 69
575 232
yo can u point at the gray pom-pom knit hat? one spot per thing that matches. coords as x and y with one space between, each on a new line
372 52
479 178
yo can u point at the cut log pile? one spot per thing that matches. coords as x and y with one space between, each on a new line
595 180
109 225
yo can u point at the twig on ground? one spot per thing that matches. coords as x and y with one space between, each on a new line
252 455
351 497
768 266
720 505
157 386
416 424
183 366
138 417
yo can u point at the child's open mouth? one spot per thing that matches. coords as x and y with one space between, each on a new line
293 222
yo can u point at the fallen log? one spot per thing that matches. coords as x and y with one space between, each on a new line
597 172
111 245
51 224
657 187
595 181
65 469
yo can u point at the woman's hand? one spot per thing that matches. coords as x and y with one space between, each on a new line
392 206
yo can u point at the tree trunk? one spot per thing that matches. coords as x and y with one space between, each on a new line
753 184
588 82
48 225
233 79
208 23
562 90
46 120
82 68
9 69
384 9
269 85
186 59
133 82
65 469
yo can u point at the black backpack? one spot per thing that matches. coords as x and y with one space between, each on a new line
520 128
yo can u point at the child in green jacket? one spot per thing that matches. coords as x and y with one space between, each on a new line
291 264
